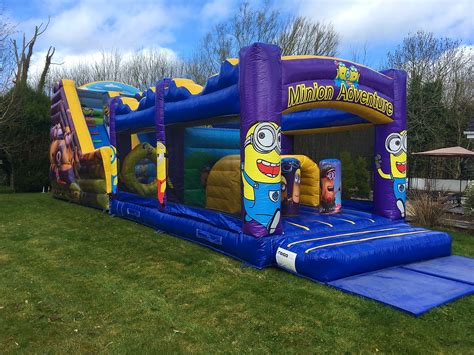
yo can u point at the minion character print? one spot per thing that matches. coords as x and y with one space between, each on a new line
346 75
290 186
261 175
396 146
161 171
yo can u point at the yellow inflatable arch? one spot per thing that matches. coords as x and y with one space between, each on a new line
223 191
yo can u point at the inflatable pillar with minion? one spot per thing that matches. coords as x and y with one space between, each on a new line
260 134
390 178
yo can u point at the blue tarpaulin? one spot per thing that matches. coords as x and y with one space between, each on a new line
455 267
413 291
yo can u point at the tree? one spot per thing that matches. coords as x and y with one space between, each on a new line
303 36
25 120
44 73
294 35
145 67
25 139
425 56
23 55
439 98
6 67
141 69
6 59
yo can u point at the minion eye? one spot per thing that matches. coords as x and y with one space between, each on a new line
393 143
266 138
405 143
297 179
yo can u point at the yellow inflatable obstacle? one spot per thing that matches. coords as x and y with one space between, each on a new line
309 184
223 189
139 170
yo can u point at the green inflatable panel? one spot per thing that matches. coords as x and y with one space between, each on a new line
196 169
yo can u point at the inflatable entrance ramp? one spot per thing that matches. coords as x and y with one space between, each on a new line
378 260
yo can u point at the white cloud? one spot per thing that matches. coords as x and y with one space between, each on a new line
79 30
216 10
103 24
71 60
376 21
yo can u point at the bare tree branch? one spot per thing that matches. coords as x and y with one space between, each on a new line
45 71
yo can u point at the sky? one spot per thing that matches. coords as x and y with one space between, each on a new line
80 29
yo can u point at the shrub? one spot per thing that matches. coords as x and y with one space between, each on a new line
355 176
362 176
469 204
26 137
5 189
426 208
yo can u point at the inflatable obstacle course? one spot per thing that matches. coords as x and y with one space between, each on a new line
219 171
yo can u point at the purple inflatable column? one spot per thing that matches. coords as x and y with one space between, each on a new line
112 104
391 155
260 134
161 162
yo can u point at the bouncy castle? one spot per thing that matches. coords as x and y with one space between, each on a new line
215 165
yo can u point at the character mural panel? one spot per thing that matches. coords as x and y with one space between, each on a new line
396 147
161 171
260 134
261 175
391 153
82 176
113 162
330 186
346 76
290 186
63 156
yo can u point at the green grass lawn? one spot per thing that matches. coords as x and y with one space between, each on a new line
73 279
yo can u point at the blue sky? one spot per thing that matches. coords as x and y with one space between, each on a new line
80 29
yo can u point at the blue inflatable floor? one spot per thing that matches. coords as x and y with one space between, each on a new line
414 288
